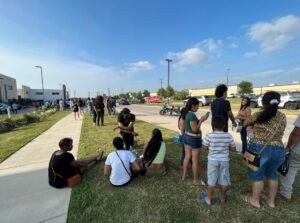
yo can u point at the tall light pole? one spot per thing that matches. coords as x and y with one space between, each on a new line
228 69
169 61
40 67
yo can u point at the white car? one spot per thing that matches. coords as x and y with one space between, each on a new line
288 100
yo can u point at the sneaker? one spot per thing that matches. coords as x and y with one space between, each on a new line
202 183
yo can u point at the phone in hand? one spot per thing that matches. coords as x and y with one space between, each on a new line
207 114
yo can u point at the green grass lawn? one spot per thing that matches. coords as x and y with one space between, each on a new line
162 199
15 139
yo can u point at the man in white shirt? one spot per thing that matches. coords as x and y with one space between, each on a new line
118 164
293 146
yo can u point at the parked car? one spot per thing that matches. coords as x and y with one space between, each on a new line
123 102
153 99
16 106
232 95
288 100
3 108
137 101
203 100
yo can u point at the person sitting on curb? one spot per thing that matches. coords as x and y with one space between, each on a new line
119 163
154 154
63 166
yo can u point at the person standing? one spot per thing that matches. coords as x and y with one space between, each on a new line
126 125
192 139
81 107
293 146
181 123
221 106
99 111
108 106
244 113
61 105
76 109
268 125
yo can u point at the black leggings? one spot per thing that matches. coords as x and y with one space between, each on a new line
128 139
97 117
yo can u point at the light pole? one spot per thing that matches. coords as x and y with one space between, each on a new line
169 61
40 67
228 69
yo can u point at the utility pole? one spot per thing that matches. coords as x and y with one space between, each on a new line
89 94
228 69
161 81
169 61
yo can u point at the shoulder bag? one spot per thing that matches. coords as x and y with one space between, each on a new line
252 159
71 181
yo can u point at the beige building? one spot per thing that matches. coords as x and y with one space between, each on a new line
24 92
284 87
234 89
8 88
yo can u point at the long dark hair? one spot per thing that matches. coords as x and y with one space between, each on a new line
183 113
246 105
99 100
192 101
270 103
153 146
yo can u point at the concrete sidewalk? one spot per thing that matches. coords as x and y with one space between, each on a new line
25 193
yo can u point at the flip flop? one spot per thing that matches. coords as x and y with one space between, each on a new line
203 196
246 198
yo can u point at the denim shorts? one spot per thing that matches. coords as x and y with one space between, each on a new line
271 158
195 142
218 173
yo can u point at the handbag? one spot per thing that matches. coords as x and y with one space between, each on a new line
252 159
71 181
283 169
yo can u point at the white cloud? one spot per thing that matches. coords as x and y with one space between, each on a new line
233 45
275 35
203 50
140 66
250 54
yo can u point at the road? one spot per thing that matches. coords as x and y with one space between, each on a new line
151 114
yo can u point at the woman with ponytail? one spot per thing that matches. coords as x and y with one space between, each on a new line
268 125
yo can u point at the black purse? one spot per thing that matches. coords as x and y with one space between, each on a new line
283 169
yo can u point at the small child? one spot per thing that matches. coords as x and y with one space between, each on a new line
219 143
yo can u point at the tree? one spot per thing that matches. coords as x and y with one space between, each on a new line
162 92
170 91
180 95
245 87
139 95
146 93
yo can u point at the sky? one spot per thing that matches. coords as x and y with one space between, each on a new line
96 46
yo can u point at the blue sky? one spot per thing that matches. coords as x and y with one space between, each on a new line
122 44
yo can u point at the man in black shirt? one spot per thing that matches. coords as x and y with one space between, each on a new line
222 107
125 124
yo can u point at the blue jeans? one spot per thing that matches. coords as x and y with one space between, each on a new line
271 158
195 142
244 139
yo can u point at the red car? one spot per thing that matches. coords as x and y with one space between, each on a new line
153 99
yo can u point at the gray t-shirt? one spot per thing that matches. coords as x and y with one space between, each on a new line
296 148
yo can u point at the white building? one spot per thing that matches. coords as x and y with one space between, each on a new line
50 94
8 88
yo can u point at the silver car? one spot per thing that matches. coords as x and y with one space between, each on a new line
203 100
288 100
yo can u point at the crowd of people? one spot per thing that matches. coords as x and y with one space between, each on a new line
261 133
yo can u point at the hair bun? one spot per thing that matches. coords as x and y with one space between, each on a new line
274 101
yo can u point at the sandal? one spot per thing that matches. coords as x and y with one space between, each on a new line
247 199
203 196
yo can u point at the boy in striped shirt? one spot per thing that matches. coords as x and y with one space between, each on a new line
218 143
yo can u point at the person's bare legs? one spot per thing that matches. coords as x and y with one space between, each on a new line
223 190
89 162
209 194
273 186
257 188
195 156
186 161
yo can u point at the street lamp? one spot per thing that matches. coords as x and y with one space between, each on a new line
228 69
40 67
169 61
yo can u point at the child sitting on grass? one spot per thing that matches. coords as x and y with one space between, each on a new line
218 143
